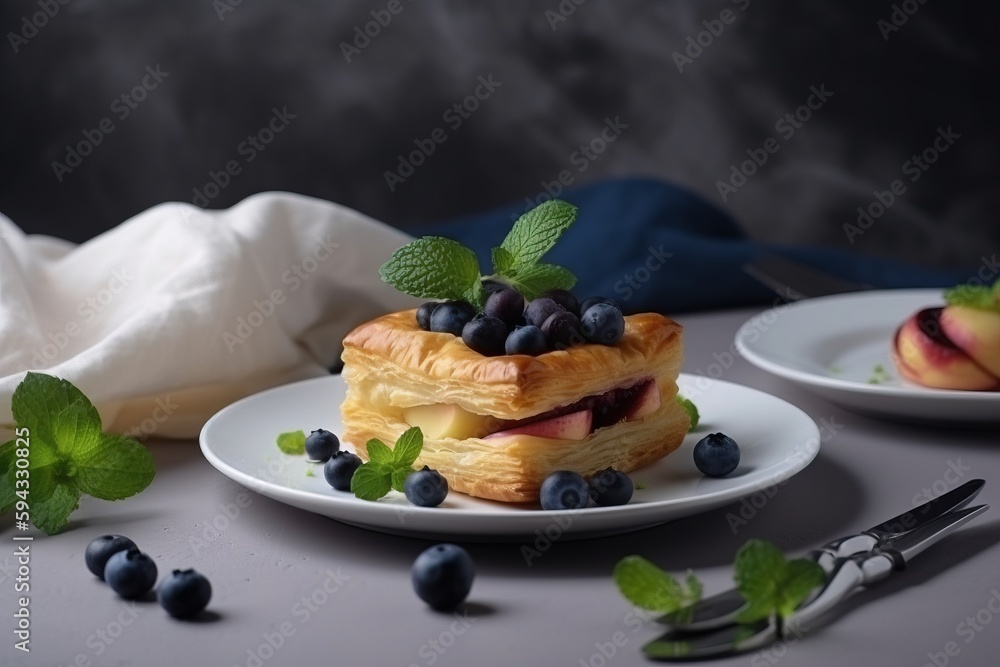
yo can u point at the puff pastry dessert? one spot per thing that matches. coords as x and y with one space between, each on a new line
495 427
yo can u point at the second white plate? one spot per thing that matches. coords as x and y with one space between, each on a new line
836 345
777 440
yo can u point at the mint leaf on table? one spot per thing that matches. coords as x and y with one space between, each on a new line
771 584
293 442
980 297
68 453
647 586
535 232
387 468
691 409
436 268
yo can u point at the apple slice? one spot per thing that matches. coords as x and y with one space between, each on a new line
975 332
646 403
444 420
574 426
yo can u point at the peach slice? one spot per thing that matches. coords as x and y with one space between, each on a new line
444 420
975 332
574 426
923 354
645 403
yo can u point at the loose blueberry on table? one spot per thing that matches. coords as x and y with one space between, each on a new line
426 488
130 573
184 593
716 455
321 444
339 469
442 576
103 548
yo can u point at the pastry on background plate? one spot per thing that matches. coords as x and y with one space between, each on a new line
511 378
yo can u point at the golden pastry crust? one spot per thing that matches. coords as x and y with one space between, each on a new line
390 365
397 365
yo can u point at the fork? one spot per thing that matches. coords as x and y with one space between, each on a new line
794 281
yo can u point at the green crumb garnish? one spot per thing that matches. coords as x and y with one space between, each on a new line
310 473
691 409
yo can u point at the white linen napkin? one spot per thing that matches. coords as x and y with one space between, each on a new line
177 312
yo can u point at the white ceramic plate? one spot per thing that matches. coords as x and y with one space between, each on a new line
832 346
777 440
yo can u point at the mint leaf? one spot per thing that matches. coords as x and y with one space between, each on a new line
399 476
408 447
537 231
691 409
770 583
120 467
57 414
436 268
8 497
68 452
293 442
534 279
379 452
503 261
52 515
647 586
975 296
371 481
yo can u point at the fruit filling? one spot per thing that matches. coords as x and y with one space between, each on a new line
569 422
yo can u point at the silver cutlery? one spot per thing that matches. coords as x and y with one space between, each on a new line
722 609
794 281
848 575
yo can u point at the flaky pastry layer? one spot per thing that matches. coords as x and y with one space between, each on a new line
390 364
396 365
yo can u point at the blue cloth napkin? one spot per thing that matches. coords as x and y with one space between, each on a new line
653 246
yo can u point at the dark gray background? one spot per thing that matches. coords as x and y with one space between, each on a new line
558 86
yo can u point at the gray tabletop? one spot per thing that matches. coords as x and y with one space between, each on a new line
293 588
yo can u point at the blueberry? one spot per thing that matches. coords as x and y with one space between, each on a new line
424 314
485 335
562 329
442 576
321 444
716 455
590 301
564 490
184 593
611 487
490 286
564 298
101 549
425 487
539 310
451 316
339 470
130 573
603 323
526 340
506 305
